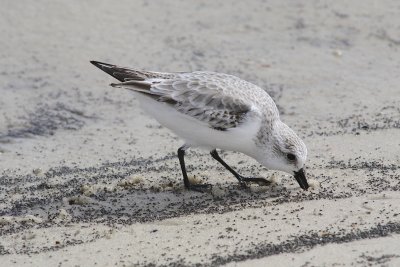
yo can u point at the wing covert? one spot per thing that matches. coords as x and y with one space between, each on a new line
206 101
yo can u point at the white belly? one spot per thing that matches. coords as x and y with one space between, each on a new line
198 133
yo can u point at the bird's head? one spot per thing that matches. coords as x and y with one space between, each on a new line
286 152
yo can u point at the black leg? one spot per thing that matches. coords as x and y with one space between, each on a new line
194 187
242 180
181 156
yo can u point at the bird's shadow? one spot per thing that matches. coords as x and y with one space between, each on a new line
146 205
138 204
60 191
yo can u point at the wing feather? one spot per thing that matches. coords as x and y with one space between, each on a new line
202 95
203 101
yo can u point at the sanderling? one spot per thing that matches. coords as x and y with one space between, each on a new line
214 110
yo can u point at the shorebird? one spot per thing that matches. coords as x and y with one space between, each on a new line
217 111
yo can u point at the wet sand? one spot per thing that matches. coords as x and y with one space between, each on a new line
88 179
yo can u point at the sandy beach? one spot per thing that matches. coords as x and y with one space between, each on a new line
88 179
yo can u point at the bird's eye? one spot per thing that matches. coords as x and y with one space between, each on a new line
291 157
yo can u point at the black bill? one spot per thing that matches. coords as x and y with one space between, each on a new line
301 179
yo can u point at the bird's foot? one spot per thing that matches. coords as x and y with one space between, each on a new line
202 188
243 181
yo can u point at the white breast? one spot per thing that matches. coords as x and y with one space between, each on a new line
198 133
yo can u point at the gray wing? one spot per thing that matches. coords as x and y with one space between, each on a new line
206 96
207 100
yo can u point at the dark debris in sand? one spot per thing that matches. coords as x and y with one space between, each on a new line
146 203
46 120
301 243
387 117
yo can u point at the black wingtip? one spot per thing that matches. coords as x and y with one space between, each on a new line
99 64
120 73
107 68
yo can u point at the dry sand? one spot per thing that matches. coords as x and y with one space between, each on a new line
88 179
